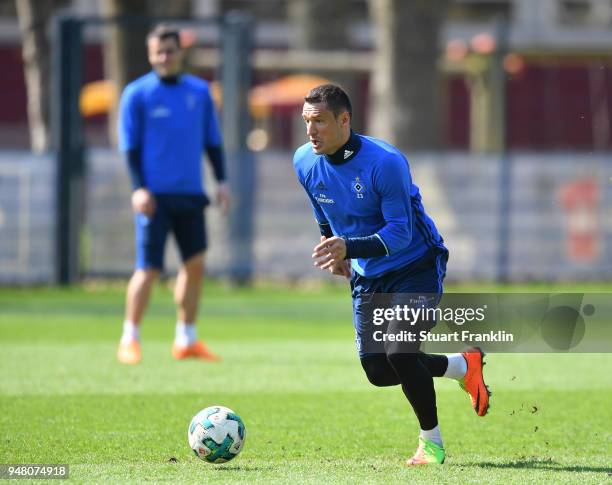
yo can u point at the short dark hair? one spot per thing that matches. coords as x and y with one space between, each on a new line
163 32
332 96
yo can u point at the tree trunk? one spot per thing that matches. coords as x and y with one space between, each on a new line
312 32
34 16
125 52
405 86
171 9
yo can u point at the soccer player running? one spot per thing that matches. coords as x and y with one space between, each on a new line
166 120
375 231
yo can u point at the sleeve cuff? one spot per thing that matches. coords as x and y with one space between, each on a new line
326 230
365 247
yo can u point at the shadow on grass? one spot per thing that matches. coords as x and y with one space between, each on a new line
240 468
540 464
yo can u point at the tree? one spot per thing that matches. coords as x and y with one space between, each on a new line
34 16
312 32
125 52
405 85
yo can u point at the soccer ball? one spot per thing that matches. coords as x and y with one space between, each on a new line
216 434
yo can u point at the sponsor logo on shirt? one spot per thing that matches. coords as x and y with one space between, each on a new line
320 186
347 153
160 112
323 199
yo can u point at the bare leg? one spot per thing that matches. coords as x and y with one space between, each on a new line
187 288
136 300
187 296
138 292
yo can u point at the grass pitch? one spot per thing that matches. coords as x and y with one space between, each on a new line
291 372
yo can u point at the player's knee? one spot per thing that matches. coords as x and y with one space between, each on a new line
194 266
146 276
378 371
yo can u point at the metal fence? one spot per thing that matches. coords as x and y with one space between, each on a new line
27 218
559 218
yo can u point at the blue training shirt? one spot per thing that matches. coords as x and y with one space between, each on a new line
171 124
369 194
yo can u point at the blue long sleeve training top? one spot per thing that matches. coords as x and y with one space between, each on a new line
367 192
166 126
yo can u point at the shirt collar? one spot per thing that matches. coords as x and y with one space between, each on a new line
346 151
169 79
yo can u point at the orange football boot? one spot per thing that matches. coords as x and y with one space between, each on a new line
473 382
196 350
129 353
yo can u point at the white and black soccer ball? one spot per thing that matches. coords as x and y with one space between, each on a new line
216 434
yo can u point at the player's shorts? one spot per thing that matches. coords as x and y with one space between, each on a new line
418 284
183 215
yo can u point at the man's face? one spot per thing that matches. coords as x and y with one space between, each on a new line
326 132
165 56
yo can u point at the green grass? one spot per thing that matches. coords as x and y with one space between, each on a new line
291 372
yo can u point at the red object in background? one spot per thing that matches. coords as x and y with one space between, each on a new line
458 117
549 103
13 97
549 108
580 200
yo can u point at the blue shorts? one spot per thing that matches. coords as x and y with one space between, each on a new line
183 215
421 279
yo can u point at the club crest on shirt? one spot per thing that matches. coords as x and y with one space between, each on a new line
358 188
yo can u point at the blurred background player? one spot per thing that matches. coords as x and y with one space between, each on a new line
371 218
167 118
